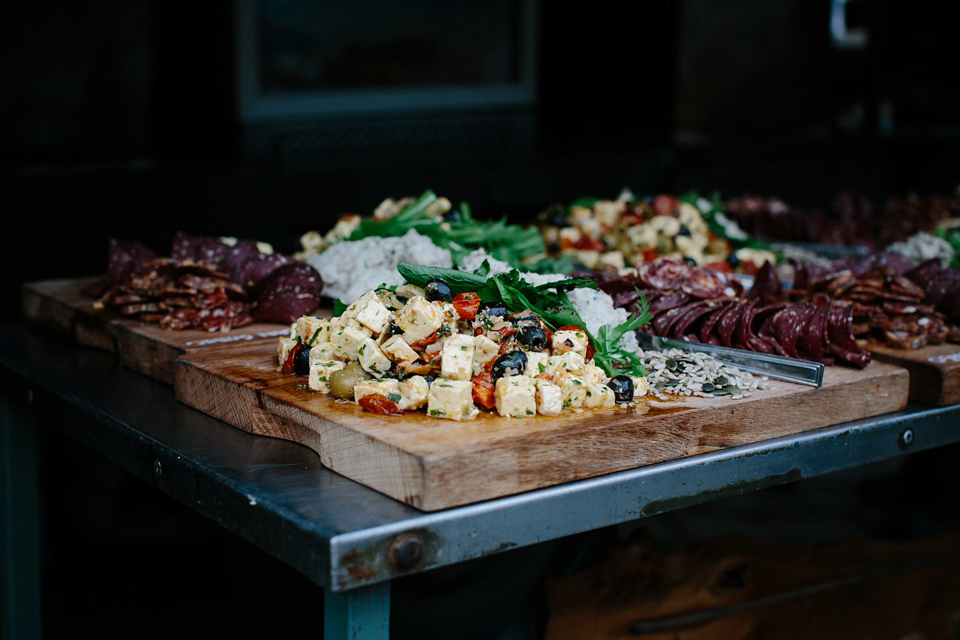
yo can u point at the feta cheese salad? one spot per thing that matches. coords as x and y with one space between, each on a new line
453 343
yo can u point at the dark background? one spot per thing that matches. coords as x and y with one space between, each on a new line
119 119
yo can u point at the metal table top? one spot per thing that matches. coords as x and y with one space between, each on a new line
342 535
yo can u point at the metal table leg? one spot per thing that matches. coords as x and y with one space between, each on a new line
357 614
19 523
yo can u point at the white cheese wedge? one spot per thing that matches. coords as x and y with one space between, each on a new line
372 358
312 330
413 393
398 350
484 351
456 357
536 363
451 399
284 345
388 387
549 398
516 396
567 340
574 390
350 337
322 351
419 319
320 370
571 362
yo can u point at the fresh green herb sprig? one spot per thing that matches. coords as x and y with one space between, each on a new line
548 300
460 233
953 237
610 356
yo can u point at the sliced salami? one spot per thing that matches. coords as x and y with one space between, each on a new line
288 292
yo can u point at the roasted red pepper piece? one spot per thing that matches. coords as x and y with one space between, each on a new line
379 403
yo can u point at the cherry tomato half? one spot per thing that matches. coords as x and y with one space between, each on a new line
379 403
484 390
288 363
466 304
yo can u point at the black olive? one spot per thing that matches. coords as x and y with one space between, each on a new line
622 388
437 289
689 261
452 216
511 363
532 337
493 309
555 216
393 330
683 230
733 260
301 361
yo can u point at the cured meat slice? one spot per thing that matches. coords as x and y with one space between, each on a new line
686 323
727 323
840 335
766 284
123 258
709 321
663 273
667 301
813 337
701 282
664 321
288 292
256 267
235 255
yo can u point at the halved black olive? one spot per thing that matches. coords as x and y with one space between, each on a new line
531 337
683 230
437 289
301 361
622 388
511 363
493 309
733 260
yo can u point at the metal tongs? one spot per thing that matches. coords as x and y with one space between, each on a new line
772 366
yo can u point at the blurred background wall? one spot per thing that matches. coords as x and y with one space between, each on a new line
133 119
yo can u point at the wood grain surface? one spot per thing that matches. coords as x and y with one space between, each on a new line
432 463
934 371
146 348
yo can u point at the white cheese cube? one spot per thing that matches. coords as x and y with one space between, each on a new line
456 357
372 358
322 351
419 319
593 373
595 394
549 398
350 337
312 330
574 390
640 386
284 345
398 350
571 362
608 399
374 315
353 309
484 351
516 396
451 399
387 387
320 370
567 340
536 363
413 393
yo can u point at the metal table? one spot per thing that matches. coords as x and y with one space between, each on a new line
348 539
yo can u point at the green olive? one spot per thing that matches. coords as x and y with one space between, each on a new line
343 380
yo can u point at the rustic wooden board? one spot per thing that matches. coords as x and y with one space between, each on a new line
934 371
432 463
148 349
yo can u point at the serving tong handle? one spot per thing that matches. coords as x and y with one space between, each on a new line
773 366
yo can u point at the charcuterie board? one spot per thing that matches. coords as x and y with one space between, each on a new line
934 371
432 463
148 349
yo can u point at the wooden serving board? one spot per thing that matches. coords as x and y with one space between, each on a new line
934 371
431 463
148 349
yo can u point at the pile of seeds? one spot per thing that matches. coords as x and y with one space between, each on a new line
679 372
